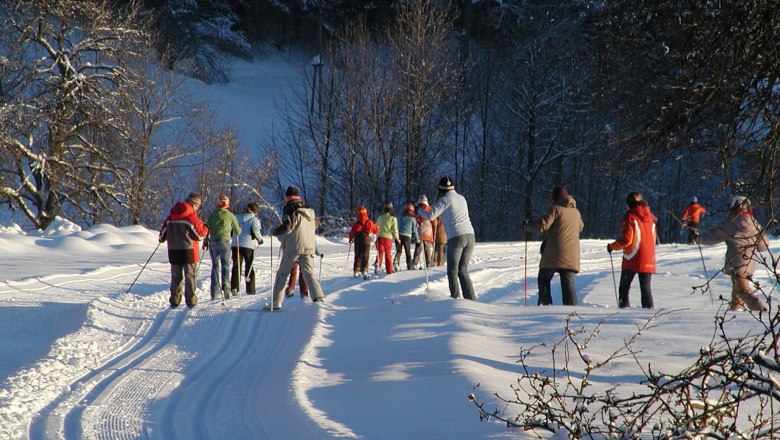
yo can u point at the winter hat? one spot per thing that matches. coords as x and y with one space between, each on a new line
292 194
362 213
194 199
445 184
737 203
694 199
559 192
633 199
423 200
223 201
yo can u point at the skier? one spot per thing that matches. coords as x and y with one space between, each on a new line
360 234
388 232
298 226
744 240
425 229
638 244
561 226
440 247
408 234
454 212
222 224
690 217
243 249
183 229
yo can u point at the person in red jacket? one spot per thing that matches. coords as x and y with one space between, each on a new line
183 229
360 234
691 217
637 241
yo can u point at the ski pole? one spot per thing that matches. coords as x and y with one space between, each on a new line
319 276
701 253
425 265
143 267
525 272
346 265
614 283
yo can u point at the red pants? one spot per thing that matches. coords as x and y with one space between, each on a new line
385 247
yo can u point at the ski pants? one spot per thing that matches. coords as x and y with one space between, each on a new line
742 294
419 248
626 278
307 272
459 251
362 249
296 268
568 295
220 267
406 247
384 245
245 257
183 278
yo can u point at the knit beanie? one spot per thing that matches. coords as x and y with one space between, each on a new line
634 199
292 194
223 201
362 213
194 199
559 192
445 184
423 200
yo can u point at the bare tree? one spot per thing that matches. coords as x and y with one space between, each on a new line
59 113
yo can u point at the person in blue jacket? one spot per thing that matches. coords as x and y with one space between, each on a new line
243 248
407 232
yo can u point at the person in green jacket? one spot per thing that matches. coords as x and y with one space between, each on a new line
222 223
388 233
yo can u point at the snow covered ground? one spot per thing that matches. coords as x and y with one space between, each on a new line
388 358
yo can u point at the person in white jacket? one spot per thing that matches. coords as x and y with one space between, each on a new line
454 213
243 248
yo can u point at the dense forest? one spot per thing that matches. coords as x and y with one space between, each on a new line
510 98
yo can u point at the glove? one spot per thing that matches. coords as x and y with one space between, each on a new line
322 255
609 248
205 246
350 241
260 242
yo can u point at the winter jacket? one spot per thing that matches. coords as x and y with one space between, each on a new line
561 226
388 226
693 213
637 240
298 229
250 231
183 229
744 239
222 223
407 226
365 227
426 228
454 212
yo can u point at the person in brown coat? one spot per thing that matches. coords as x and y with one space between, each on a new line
441 242
561 226
744 240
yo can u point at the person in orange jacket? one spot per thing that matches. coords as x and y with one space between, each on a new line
637 241
360 234
691 217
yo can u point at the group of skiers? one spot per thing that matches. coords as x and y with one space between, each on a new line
228 237
562 225
445 225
